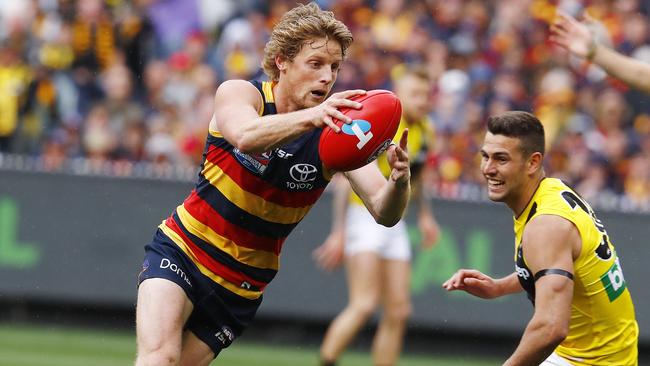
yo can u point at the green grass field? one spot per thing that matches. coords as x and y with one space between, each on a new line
47 346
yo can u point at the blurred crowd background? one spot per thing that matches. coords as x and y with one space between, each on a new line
116 83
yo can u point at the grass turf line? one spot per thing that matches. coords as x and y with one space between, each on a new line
56 346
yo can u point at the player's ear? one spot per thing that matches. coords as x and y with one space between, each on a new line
535 162
280 62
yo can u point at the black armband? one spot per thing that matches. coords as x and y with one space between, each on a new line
553 271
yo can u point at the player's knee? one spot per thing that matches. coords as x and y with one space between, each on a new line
158 356
157 359
399 312
364 308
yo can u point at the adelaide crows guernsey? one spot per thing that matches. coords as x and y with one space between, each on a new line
603 329
233 223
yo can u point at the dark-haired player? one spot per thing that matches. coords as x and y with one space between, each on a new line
564 259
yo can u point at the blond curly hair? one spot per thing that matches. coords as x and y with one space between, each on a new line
296 28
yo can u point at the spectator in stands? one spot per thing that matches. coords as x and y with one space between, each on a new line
67 47
14 81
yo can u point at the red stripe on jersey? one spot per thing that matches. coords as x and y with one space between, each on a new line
211 264
257 185
203 212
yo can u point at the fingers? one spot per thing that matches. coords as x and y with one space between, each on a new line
561 20
337 101
329 255
398 159
347 94
403 141
320 256
459 280
326 258
345 103
589 19
399 163
331 124
558 28
401 152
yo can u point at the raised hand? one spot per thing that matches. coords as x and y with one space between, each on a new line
398 159
574 36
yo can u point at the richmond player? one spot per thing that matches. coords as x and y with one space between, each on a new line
564 258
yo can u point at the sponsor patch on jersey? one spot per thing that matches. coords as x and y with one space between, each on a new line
256 163
613 281
302 175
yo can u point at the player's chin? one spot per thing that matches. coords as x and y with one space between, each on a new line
495 196
313 100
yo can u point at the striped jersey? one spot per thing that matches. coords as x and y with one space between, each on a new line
243 207
603 329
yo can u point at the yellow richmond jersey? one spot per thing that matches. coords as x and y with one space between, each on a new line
603 329
420 137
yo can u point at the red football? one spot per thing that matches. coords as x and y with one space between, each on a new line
370 133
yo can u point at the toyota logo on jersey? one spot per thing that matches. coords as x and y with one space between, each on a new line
303 173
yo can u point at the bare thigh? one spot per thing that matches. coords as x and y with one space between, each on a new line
396 284
195 352
162 310
364 276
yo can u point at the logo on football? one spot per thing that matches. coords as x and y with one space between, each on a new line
368 135
360 129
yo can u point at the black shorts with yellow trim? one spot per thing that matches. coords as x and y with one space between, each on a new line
219 316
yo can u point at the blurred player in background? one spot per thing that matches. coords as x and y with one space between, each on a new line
578 39
209 262
564 259
377 258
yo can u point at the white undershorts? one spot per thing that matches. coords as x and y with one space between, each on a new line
363 234
555 360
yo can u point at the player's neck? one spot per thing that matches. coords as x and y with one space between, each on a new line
527 193
283 103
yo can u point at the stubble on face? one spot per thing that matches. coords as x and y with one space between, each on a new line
312 76
502 167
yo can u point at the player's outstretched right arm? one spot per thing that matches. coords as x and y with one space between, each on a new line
478 284
577 38
236 117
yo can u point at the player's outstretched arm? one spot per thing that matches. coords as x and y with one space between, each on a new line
481 285
386 199
236 106
576 37
550 243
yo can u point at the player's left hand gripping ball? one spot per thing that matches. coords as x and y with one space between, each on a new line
366 137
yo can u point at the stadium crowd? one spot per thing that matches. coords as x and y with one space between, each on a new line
133 81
